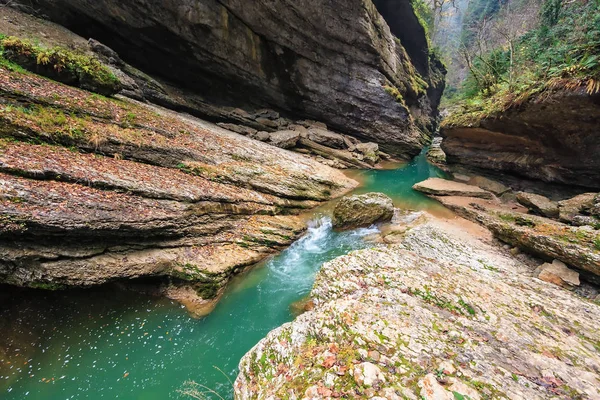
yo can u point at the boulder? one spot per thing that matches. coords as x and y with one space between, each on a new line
284 139
572 207
362 210
557 273
585 220
489 184
538 204
370 152
443 187
327 138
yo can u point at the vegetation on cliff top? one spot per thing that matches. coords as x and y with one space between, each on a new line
59 64
562 52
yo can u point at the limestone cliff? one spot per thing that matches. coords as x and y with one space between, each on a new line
552 137
362 67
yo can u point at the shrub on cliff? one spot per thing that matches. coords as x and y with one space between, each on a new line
62 65
561 52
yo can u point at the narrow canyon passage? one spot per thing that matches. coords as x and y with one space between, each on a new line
100 344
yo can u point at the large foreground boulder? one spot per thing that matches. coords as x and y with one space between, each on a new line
362 210
439 316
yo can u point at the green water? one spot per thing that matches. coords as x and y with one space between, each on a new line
105 344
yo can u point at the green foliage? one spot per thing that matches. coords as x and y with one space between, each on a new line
58 63
395 93
550 12
563 52
477 11
424 14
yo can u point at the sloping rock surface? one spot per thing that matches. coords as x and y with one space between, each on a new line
441 315
95 189
331 61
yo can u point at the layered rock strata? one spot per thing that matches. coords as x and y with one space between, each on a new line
553 138
363 68
95 190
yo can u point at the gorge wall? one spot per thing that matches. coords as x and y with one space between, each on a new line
553 138
331 61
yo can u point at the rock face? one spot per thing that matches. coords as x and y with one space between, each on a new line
440 315
335 61
95 190
443 187
554 139
362 210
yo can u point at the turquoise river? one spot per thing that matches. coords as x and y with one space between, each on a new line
110 344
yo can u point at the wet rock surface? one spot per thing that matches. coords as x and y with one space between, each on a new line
440 315
362 210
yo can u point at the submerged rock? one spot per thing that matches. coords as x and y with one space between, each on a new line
443 187
362 210
440 315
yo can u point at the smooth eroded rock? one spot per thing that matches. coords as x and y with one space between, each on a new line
362 210
450 316
443 187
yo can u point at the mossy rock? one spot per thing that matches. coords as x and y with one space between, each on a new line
61 65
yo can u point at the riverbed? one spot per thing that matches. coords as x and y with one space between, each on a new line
110 344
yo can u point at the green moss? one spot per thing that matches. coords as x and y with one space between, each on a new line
208 290
59 64
395 93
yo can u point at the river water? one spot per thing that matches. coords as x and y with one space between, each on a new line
105 344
